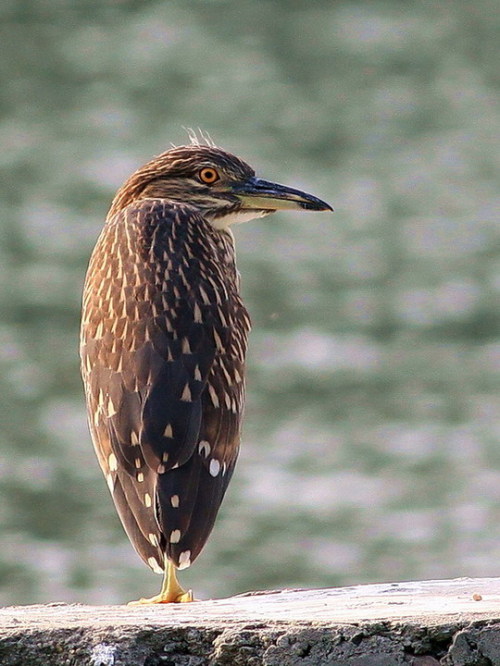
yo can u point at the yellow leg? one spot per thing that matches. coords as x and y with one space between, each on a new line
171 591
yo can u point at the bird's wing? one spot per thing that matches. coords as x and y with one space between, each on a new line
163 347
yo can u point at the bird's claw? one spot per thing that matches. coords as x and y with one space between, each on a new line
180 598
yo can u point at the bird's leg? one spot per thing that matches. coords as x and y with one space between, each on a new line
171 591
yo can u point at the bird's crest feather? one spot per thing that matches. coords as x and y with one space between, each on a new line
199 137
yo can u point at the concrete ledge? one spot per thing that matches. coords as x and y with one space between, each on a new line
454 623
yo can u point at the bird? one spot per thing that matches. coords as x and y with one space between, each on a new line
163 344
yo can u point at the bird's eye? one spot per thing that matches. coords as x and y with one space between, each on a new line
208 175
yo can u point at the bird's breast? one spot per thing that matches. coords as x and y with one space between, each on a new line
162 279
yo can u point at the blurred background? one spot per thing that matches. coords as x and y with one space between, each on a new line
371 442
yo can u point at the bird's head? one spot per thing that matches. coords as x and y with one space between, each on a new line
223 187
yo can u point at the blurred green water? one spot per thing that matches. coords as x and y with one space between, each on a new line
371 441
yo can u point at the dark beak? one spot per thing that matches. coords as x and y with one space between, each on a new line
258 194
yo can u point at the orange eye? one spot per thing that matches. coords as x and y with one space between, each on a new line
208 175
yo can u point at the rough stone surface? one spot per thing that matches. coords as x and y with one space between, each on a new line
448 623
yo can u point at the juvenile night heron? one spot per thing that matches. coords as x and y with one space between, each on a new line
163 343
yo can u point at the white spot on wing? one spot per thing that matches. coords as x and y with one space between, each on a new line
213 396
197 314
168 432
218 341
112 462
175 536
184 559
111 482
153 563
111 408
204 448
229 380
147 500
204 296
214 467
174 501
186 394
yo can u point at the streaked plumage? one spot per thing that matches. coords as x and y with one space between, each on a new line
163 345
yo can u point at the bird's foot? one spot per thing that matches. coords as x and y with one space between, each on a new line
179 597
171 591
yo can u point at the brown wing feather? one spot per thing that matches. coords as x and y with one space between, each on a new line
163 347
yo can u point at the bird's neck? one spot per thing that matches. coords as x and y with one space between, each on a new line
223 222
